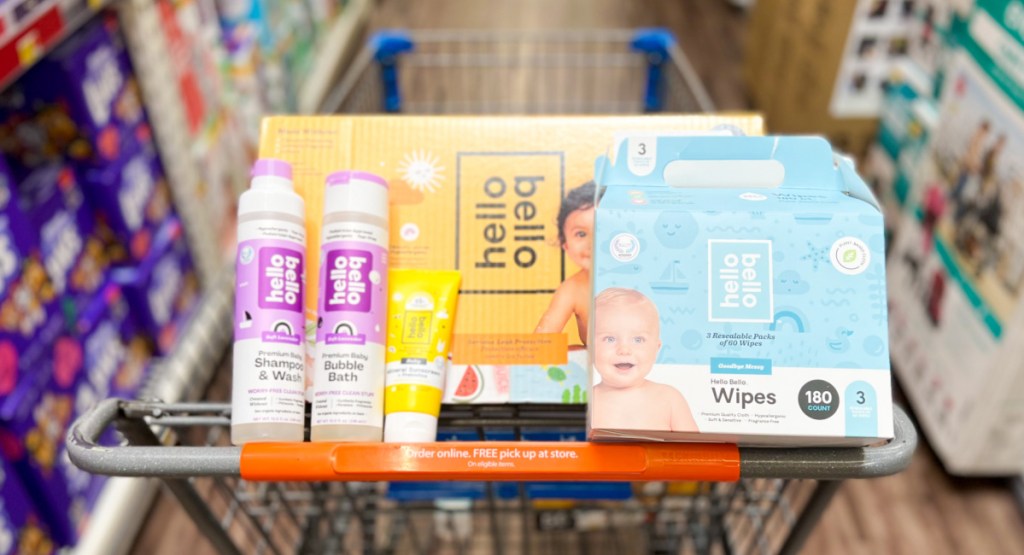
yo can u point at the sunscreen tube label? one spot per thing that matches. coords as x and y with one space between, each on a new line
420 321
269 320
349 380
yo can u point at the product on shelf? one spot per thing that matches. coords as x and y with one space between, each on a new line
270 353
348 385
22 529
907 119
956 271
479 195
82 366
79 105
163 288
824 66
30 316
421 308
739 295
131 198
73 253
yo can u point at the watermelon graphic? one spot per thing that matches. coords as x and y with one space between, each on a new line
470 386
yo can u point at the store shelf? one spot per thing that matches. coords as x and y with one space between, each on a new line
142 25
124 503
28 30
337 46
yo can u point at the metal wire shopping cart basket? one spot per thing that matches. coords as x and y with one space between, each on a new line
324 498
615 71
321 497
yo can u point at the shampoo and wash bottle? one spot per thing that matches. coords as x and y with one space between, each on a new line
267 397
348 384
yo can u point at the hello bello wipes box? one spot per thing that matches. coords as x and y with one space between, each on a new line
740 295
481 195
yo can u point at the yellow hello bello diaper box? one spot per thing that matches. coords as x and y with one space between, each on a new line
507 201
739 295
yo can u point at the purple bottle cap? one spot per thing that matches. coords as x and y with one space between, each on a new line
346 176
271 167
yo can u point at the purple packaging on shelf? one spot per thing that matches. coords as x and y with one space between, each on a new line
22 530
91 75
29 316
117 352
34 422
130 197
73 254
83 367
80 104
163 289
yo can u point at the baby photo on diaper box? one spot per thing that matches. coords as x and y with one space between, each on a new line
739 295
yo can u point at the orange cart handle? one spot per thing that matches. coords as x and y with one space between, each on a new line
490 461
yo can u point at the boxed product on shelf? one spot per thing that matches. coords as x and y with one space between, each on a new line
73 253
163 288
198 58
907 117
131 198
87 363
36 417
30 316
956 272
503 182
739 295
824 66
250 42
80 104
22 529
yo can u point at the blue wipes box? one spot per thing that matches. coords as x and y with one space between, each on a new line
739 295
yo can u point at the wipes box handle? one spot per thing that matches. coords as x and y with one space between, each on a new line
731 162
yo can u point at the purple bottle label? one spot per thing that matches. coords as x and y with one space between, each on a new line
354 283
348 280
269 292
280 279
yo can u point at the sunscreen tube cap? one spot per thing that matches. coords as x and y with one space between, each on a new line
410 427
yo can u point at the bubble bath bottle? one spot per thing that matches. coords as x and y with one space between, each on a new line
348 382
267 401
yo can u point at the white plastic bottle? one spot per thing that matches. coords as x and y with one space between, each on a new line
348 382
267 402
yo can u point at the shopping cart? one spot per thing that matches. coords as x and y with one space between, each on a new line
322 498
614 71
250 499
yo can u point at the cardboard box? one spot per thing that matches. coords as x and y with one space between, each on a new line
480 195
739 295
956 274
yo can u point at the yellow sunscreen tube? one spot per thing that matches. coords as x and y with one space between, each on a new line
421 313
